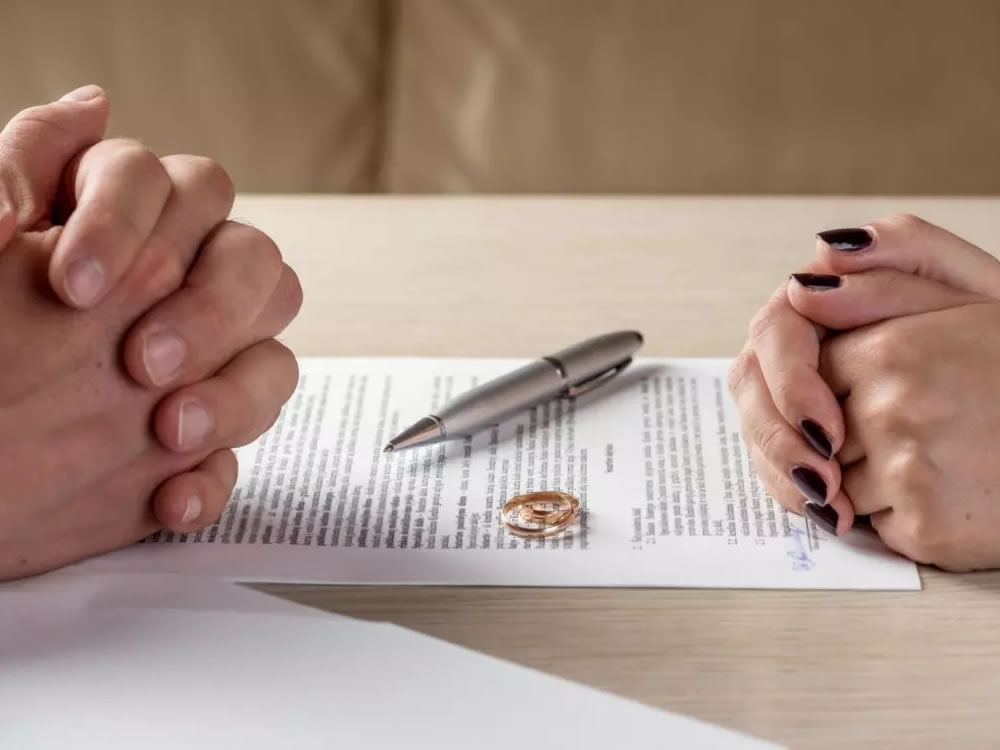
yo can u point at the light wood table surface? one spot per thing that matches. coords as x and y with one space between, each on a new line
521 277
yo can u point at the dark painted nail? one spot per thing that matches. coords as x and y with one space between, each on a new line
810 484
817 438
823 516
848 240
818 282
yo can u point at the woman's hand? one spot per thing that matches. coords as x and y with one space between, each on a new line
792 420
921 401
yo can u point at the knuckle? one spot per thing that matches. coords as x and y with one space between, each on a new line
878 347
888 350
835 351
268 252
157 272
775 485
295 293
256 402
259 255
27 127
250 238
903 352
235 405
106 217
740 372
266 249
44 119
204 172
139 158
926 540
252 420
18 189
888 414
785 392
283 369
911 475
284 304
906 223
769 437
38 113
291 371
210 321
903 408
104 220
762 323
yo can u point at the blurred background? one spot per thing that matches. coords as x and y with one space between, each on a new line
537 96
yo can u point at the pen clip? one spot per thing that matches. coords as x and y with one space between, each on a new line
597 380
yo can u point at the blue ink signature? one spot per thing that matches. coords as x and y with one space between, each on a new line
799 555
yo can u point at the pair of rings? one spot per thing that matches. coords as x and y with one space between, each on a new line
539 515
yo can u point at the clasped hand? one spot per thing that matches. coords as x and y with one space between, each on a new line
137 341
869 387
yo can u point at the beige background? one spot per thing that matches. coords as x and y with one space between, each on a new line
596 96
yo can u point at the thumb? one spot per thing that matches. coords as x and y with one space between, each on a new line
35 149
910 244
859 299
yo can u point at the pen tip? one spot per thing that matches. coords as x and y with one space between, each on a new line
388 448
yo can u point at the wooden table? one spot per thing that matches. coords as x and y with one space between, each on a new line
469 276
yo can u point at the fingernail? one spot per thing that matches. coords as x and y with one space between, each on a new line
848 240
84 281
823 516
192 509
162 356
194 422
810 484
818 282
817 438
82 94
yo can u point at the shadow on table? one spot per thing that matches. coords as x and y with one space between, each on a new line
987 581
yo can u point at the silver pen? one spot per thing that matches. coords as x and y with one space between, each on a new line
569 372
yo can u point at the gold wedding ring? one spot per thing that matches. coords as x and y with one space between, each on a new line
548 513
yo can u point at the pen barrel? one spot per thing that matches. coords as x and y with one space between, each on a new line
593 356
498 399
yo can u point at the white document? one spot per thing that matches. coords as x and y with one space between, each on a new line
668 494
146 662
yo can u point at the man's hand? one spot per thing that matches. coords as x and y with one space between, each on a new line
130 216
107 221
792 420
199 299
77 455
